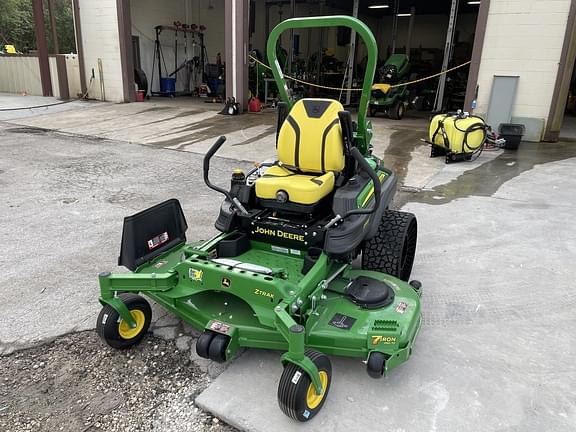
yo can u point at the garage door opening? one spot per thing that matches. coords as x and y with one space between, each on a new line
178 47
568 130
411 36
562 118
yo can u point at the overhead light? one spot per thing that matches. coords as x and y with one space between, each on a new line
404 14
473 2
382 6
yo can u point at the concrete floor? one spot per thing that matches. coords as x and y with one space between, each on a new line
494 255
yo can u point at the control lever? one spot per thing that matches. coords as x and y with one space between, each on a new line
235 201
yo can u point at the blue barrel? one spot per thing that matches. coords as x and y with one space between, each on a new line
168 85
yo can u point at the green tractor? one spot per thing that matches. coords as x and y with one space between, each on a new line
387 98
279 275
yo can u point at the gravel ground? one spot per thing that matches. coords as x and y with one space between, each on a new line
77 383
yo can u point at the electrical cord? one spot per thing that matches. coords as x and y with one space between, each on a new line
52 104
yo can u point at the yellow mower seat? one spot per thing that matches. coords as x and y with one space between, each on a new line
302 189
384 88
310 153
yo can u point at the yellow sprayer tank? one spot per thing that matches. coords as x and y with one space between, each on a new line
462 134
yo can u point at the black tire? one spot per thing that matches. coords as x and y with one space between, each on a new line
396 112
375 365
372 112
217 350
115 332
203 343
393 248
295 384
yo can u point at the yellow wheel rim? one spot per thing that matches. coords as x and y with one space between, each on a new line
127 332
313 399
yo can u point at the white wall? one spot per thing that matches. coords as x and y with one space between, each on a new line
20 74
524 38
100 39
147 14
73 72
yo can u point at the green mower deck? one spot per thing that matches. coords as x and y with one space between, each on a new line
255 310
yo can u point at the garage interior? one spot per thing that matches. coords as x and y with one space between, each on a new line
178 49
568 130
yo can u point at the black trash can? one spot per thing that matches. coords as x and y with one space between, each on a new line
512 133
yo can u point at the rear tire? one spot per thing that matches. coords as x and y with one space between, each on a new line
115 331
393 248
396 112
296 393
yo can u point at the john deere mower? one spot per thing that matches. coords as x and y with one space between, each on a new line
390 100
279 275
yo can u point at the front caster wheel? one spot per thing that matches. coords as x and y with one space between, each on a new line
203 344
376 364
297 395
217 350
115 331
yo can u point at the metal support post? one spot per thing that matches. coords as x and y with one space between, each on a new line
41 45
410 30
291 47
351 55
55 44
395 25
237 21
438 102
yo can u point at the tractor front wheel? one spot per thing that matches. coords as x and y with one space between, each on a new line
396 112
297 395
115 331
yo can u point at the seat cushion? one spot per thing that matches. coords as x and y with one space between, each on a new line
301 189
310 139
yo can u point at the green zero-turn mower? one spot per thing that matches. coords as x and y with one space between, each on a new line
391 100
279 274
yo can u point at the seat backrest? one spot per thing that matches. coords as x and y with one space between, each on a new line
310 139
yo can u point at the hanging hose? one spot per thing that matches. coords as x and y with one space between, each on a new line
476 152
52 104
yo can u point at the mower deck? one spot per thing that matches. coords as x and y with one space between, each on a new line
211 295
